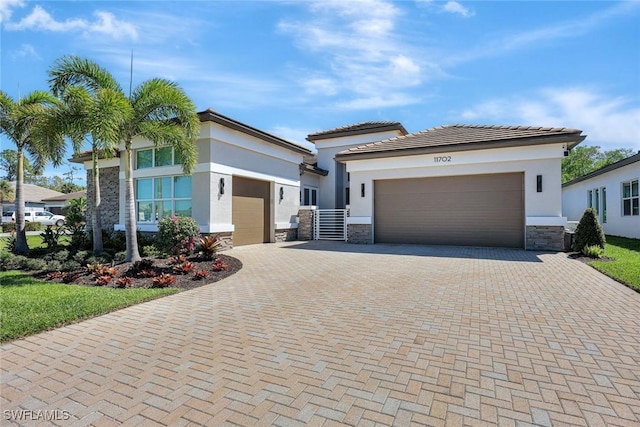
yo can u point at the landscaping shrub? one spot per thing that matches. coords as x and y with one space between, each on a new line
82 256
151 250
208 246
120 256
588 232
593 251
177 235
32 226
70 265
11 243
51 236
6 260
8 227
38 264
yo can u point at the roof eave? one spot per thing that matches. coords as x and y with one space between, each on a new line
212 116
571 140
352 132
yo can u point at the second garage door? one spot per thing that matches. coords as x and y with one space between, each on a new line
250 211
470 210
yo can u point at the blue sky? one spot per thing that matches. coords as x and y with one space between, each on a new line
296 67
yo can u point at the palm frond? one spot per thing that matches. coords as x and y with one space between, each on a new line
74 70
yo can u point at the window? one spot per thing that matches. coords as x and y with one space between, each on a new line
309 196
155 157
603 210
162 197
347 196
630 198
590 198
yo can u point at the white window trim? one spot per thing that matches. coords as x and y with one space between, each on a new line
154 200
310 188
631 196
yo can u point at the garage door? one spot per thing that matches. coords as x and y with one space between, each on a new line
472 210
250 211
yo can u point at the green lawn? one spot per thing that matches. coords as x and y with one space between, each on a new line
28 306
626 265
34 241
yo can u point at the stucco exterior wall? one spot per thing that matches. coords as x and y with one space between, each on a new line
541 209
327 150
575 200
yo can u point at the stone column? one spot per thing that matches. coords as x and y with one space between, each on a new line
305 222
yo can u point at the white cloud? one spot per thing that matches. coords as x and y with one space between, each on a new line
363 55
106 23
26 50
608 122
455 7
295 135
6 8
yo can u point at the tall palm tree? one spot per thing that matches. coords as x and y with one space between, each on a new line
6 194
95 116
24 123
161 113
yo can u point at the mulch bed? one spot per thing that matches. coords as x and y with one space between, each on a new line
143 277
581 257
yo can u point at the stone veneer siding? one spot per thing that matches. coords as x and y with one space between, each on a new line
359 233
545 238
109 195
286 234
305 224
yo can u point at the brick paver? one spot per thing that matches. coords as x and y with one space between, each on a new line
324 333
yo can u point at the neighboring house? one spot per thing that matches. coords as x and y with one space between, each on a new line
34 197
450 185
56 203
613 191
245 187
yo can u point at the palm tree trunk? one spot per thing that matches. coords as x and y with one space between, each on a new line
21 248
96 221
129 208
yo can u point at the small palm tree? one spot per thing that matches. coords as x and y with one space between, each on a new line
94 115
24 123
161 113
6 194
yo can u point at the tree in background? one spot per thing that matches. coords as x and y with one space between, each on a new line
9 164
161 113
6 194
585 159
24 123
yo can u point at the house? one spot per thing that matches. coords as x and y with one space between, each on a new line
450 185
245 186
613 192
35 197
56 203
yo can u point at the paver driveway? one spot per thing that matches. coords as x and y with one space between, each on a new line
327 333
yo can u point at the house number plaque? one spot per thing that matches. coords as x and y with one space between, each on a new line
442 159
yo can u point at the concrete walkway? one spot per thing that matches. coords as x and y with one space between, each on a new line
327 334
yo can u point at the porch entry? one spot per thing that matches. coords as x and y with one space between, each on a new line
330 224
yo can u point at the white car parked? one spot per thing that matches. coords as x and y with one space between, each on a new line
43 217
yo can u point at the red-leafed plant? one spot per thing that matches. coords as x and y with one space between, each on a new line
177 259
219 265
55 275
208 246
103 280
184 268
163 280
147 273
199 275
124 282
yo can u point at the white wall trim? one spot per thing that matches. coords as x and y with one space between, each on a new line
359 220
547 220
229 170
103 163
217 228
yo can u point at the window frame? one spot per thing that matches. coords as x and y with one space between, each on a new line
154 158
303 198
631 198
155 200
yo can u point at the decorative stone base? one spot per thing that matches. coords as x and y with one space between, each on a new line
225 237
305 224
286 234
360 234
545 238
109 195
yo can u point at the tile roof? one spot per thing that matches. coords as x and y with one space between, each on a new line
358 129
463 137
35 193
613 166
